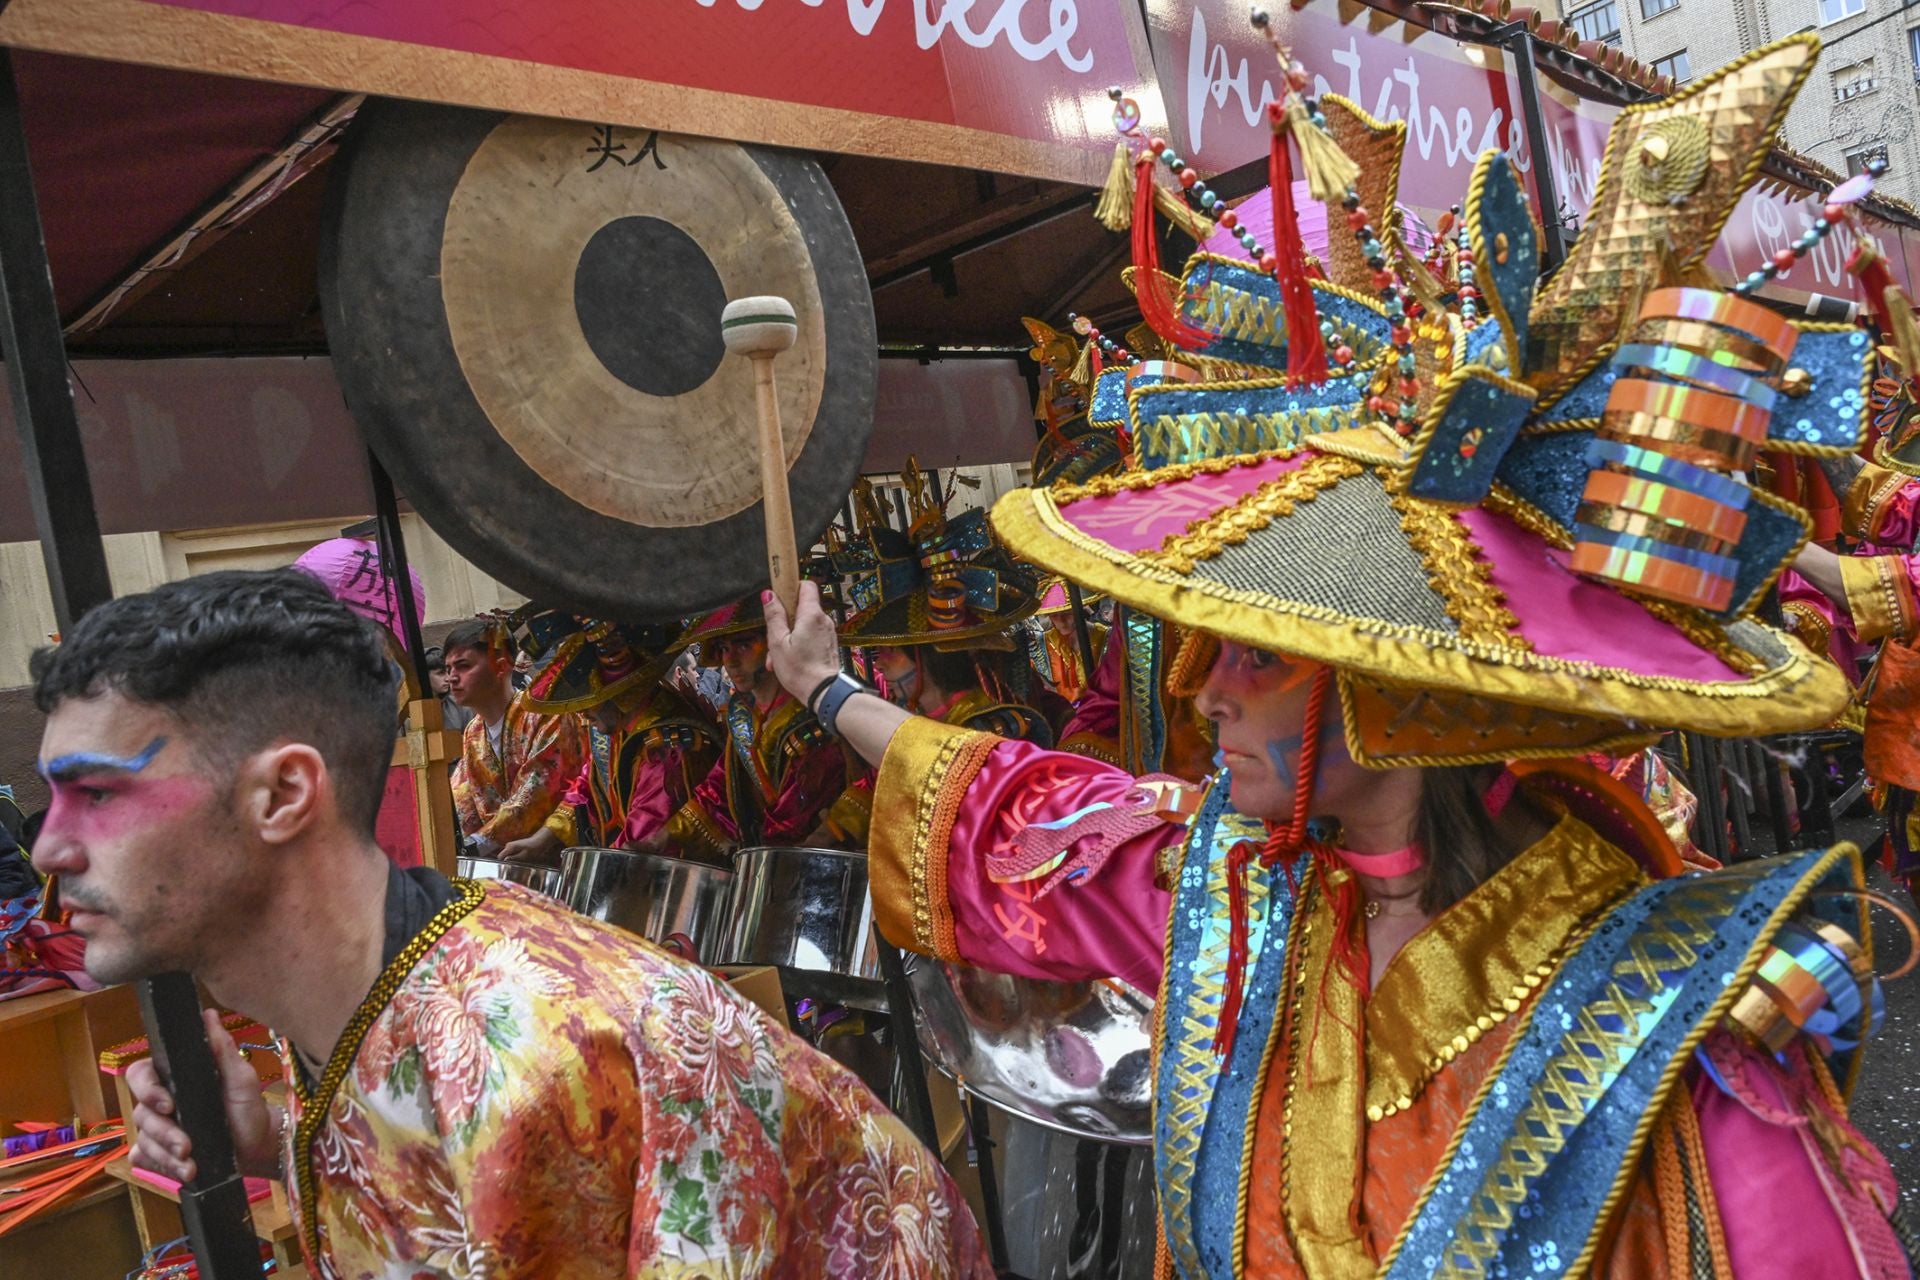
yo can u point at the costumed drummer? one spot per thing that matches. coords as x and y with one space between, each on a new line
1424 1012
778 771
516 763
647 744
936 608
481 1083
1056 647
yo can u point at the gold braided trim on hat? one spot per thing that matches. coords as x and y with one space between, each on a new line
1209 536
1458 573
1126 481
1796 691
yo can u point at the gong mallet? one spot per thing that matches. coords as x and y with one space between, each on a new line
760 329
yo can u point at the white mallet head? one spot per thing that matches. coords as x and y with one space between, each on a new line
762 326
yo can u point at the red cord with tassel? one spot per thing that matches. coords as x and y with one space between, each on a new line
1283 846
1157 305
1306 351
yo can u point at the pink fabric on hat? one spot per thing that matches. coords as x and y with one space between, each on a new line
1135 521
1055 597
351 569
1567 616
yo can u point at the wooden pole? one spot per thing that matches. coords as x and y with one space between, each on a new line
760 329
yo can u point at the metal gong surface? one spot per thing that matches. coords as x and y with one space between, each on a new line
538 878
524 316
809 912
1072 1056
655 897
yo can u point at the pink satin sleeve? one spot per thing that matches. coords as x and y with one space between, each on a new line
1768 1167
1097 711
1842 647
656 795
1111 923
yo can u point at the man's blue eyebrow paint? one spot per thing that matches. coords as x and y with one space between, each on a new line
99 761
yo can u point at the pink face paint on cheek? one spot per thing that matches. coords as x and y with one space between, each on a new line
125 806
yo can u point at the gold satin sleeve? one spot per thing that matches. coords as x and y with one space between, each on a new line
563 824
693 832
1865 504
923 778
850 816
1877 596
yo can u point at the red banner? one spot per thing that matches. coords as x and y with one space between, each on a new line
1012 85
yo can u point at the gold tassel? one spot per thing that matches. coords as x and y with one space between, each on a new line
1906 334
1329 170
1192 663
1115 210
1181 214
1082 375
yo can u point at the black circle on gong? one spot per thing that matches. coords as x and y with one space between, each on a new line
646 294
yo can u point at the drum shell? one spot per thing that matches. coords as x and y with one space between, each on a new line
652 896
540 879
1074 1057
804 910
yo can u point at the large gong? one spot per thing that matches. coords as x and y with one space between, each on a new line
524 316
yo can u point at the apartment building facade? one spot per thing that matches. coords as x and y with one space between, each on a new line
1862 100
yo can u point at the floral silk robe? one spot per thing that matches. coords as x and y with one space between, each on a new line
529 1093
506 795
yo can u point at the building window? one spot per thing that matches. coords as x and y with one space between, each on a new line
1834 10
1648 8
1859 158
1855 81
1675 65
1599 22
1913 49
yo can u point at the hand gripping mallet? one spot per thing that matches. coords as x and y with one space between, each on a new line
760 329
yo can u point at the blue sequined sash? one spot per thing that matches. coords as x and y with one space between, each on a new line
1543 1155
1200 1109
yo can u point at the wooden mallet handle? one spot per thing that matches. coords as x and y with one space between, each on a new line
760 329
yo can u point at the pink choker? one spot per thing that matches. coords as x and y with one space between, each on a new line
1385 866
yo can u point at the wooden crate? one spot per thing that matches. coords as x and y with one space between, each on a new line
50 1071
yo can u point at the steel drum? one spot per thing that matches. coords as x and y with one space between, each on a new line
540 879
662 899
808 912
1070 1056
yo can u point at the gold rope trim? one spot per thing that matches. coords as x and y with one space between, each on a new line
1458 573
1211 535
314 1108
942 789
1128 481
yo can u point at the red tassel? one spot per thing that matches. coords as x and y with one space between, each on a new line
1284 846
1306 352
1157 306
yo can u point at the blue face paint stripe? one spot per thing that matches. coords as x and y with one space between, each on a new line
79 762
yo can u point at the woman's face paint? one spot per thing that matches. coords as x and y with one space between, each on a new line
1258 703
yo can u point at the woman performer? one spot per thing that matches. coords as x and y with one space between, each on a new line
1423 1012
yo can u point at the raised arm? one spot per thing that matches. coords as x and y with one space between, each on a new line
993 852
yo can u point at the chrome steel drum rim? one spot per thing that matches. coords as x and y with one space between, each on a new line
1013 1057
650 895
808 912
539 877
